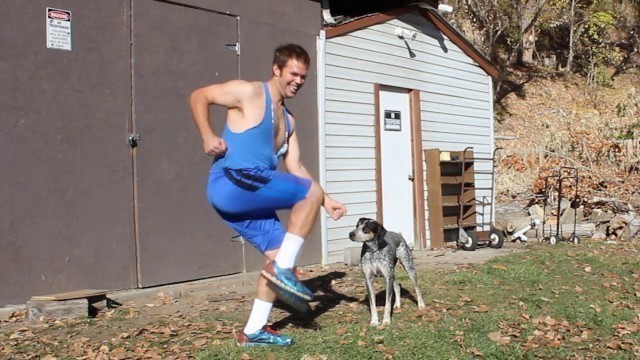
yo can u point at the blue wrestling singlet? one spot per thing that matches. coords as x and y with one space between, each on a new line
245 188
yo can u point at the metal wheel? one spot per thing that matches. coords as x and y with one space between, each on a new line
471 242
574 239
496 238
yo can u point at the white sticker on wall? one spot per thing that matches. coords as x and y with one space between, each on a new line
392 121
58 29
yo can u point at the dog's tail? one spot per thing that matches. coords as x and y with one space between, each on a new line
405 256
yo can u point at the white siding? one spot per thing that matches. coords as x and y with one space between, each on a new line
456 108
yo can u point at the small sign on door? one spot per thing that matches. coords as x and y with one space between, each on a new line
392 120
58 29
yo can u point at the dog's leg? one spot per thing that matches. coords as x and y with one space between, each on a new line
389 276
371 291
396 290
406 258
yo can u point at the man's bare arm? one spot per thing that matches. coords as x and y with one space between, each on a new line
229 95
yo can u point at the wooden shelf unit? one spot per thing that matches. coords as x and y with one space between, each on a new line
451 194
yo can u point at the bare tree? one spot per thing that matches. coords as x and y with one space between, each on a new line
572 20
490 19
527 14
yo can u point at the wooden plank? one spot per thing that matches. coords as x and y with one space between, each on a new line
434 197
78 294
40 310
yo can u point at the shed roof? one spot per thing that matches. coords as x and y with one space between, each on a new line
361 22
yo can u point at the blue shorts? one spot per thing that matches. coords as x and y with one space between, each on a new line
247 200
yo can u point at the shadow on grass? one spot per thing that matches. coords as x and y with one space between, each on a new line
327 298
405 294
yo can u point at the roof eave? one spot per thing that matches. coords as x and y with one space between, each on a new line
432 16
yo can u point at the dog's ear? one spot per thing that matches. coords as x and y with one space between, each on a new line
381 231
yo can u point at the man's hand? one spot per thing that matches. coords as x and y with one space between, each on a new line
214 146
335 208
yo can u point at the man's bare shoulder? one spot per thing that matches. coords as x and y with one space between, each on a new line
246 89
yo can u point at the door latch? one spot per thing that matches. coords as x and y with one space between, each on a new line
235 47
410 177
133 140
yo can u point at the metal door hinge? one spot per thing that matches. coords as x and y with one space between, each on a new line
133 139
235 47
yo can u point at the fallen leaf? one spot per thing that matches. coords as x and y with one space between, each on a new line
481 308
388 351
549 321
199 342
614 345
341 331
314 357
499 338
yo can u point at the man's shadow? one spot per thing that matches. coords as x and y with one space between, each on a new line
327 299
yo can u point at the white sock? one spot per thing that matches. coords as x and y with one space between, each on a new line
289 250
259 316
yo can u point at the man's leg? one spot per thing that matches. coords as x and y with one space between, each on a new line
256 331
304 213
280 272
263 302
301 220
243 196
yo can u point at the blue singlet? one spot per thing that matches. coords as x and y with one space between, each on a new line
245 188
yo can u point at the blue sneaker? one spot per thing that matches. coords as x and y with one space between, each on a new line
294 301
264 337
285 279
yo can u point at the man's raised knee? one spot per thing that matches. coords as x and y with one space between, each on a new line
315 193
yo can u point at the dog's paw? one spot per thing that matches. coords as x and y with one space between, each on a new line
374 323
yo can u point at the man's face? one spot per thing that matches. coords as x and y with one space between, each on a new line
291 77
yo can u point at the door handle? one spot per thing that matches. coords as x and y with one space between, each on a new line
411 178
133 140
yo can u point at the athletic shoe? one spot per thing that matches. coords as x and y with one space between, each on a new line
264 337
294 301
286 280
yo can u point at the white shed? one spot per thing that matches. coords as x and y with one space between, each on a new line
390 86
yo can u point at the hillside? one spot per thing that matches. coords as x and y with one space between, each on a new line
557 121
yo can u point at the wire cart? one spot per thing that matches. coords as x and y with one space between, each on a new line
569 175
479 232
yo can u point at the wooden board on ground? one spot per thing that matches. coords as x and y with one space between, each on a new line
42 310
79 294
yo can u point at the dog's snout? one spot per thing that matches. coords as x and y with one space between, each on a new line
351 235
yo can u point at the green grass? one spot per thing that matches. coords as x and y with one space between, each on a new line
551 302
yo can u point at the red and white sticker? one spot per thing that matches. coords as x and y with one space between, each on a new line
59 29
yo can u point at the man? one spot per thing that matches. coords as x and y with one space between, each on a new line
246 190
